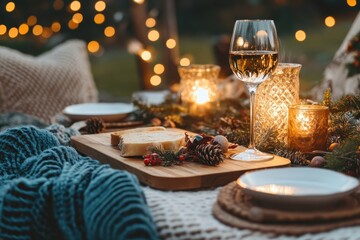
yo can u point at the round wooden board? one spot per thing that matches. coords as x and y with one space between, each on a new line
235 209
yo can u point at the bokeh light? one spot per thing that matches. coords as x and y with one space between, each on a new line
300 35
139 1
109 31
159 68
13 32
330 21
93 46
170 43
58 4
55 26
153 35
155 80
10 6
23 29
31 21
99 18
351 3
77 18
3 29
145 55
47 33
75 6
72 25
261 33
184 61
100 6
37 30
150 22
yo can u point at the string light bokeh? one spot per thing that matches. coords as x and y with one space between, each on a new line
44 20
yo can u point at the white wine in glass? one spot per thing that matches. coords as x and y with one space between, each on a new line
253 56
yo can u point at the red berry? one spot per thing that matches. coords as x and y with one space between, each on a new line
146 161
182 157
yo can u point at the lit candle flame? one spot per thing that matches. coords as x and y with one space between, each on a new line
304 122
201 95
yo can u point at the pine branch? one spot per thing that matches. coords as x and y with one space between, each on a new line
346 156
168 158
347 103
343 125
297 158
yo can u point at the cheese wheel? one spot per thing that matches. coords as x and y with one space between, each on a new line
137 144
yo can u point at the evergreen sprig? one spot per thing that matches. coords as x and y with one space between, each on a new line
346 103
168 157
346 157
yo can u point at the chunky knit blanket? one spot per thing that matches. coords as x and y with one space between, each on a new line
49 191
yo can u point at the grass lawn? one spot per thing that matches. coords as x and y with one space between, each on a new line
116 76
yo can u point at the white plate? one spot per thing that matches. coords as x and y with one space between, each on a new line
109 112
297 185
151 97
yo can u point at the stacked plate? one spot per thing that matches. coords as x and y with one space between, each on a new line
297 185
290 201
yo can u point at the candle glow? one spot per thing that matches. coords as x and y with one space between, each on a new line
201 95
308 126
198 87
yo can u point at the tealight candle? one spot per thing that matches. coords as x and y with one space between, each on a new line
308 127
198 87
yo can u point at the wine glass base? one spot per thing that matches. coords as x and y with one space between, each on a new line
252 155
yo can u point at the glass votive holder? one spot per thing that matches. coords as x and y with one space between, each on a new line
273 97
308 127
199 88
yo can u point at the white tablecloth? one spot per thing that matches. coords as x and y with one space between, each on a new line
188 215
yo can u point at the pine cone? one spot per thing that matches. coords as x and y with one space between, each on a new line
209 154
94 125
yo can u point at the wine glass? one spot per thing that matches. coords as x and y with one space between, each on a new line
253 56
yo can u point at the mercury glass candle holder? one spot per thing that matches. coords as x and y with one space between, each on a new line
308 127
198 87
273 97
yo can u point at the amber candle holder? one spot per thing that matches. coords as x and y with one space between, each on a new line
198 88
308 127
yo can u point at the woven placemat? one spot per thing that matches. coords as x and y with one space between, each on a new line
236 209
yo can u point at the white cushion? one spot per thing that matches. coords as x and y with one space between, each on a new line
43 86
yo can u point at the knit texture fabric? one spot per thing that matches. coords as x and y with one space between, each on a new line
44 85
49 191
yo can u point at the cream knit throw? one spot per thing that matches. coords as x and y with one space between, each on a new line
188 215
42 86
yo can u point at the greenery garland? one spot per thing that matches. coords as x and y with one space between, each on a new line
344 128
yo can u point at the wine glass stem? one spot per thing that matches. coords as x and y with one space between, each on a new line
252 91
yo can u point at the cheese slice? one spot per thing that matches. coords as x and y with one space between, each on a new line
136 142
115 136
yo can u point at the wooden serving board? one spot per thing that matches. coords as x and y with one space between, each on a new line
189 175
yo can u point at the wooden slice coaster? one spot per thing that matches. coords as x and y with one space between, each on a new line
232 201
281 228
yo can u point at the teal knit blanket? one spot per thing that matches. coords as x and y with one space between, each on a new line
49 191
